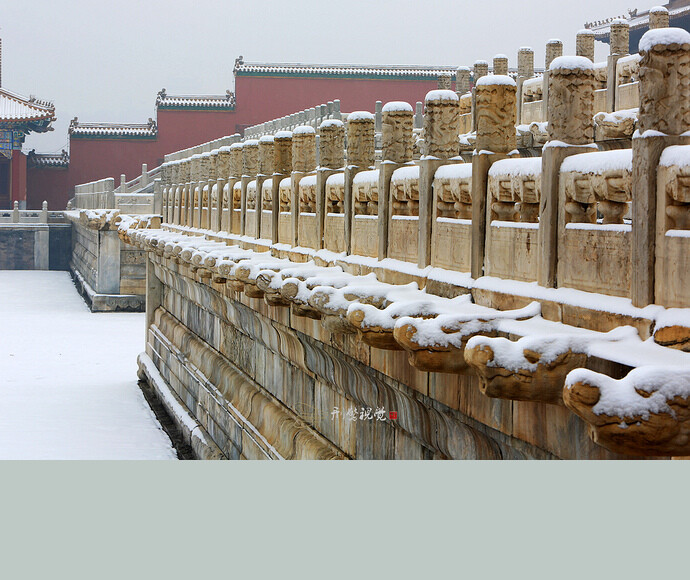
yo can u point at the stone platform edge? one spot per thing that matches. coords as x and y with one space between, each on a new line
192 431
106 302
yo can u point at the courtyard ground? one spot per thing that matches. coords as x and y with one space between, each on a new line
68 382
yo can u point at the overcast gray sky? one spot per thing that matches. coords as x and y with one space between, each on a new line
105 61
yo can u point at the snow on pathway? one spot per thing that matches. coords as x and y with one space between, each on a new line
68 383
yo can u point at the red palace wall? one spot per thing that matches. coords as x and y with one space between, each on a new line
47 184
259 99
18 173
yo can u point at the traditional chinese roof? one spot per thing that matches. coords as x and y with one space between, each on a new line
206 102
638 20
113 130
44 160
341 70
31 113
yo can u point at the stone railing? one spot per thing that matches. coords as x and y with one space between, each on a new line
17 216
508 272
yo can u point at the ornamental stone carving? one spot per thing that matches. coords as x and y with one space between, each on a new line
496 114
266 155
282 152
250 157
554 49
525 62
236 159
223 163
304 149
665 82
620 37
481 69
500 64
571 100
332 144
360 139
441 124
658 18
397 136
584 44
462 80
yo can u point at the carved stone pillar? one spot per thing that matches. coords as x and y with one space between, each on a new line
584 44
480 69
444 82
250 167
462 80
265 170
360 157
525 71
496 118
665 108
398 148
303 162
620 38
441 124
500 64
222 174
554 49
571 131
235 176
282 167
332 152
658 18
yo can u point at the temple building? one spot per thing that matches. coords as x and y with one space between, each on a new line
678 16
19 116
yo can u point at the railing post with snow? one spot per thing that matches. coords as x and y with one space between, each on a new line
481 69
250 166
496 115
663 118
525 71
222 174
266 159
441 126
236 156
332 160
554 50
398 144
44 213
571 131
620 38
360 157
584 44
282 168
303 162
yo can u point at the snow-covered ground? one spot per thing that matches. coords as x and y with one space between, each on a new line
68 383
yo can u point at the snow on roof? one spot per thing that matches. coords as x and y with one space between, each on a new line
496 80
663 36
49 159
78 129
397 106
360 116
304 130
524 166
165 101
440 95
571 63
675 155
14 107
599 161
298 69
454 171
